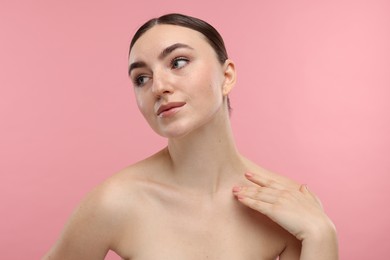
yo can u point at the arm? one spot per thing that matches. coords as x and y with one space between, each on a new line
295 209
322 245
89 231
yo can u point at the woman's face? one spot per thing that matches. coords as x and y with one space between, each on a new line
179 83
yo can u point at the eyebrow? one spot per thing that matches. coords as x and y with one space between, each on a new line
163 54
135 65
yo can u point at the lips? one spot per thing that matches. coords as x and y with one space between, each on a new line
163 109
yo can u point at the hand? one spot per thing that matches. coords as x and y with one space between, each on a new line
294 208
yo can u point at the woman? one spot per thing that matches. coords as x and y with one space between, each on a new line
198 198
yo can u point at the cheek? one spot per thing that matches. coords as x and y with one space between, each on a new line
212 88
139 101
203 82
142 104
211 80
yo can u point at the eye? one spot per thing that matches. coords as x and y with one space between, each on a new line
140 80
178 63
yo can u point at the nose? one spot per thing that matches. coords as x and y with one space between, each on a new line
161 84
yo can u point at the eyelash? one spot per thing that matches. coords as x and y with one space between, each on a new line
179 59
172 63
136 81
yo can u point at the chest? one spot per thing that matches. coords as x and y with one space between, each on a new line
174 232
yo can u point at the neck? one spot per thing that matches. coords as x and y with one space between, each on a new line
206 160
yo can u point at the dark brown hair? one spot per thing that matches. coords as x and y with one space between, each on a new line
209 32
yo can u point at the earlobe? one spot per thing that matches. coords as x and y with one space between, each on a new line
230 77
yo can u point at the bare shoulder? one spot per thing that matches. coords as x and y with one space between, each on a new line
100 219
120 197
270 175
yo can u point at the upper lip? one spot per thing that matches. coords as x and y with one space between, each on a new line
170 105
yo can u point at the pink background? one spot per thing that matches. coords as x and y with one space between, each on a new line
312 102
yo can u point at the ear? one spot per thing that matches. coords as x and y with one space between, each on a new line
229 75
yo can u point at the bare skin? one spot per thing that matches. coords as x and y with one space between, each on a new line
198 198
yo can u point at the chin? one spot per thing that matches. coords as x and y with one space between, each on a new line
175 130
173 134
181 128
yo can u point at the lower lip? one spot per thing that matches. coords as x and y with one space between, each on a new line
170 112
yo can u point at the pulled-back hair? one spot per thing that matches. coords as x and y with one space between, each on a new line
212 35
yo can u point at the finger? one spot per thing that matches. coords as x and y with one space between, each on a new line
262 181
304 189
257 193
260 206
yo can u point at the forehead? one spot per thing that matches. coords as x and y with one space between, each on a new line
153 41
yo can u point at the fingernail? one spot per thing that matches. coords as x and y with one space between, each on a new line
236 189
248 174
240 197
303 187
